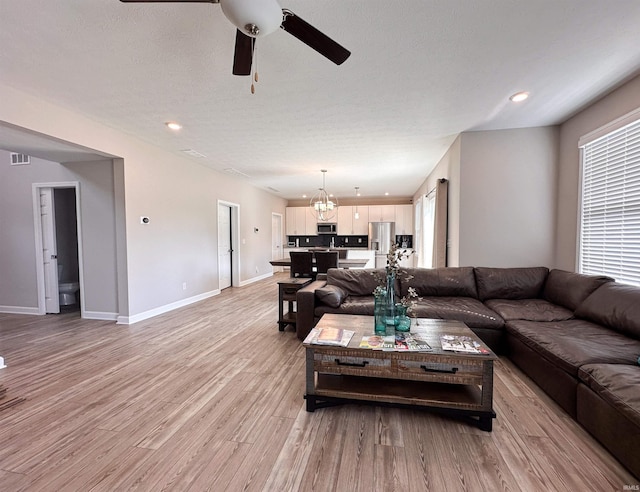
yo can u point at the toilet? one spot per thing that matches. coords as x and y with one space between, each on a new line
67 290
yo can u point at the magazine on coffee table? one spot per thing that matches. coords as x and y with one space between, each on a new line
400 342
329 336
458 343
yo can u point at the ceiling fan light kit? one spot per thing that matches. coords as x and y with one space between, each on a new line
258 18
255 18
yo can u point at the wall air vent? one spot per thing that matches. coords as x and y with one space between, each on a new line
194 153
19 159
232 170
273 189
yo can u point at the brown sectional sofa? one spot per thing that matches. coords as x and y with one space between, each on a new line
576 336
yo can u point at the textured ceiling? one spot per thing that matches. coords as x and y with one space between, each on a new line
421 72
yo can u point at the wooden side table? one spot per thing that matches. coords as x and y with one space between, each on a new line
287 293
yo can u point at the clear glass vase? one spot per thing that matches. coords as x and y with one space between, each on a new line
379 313
390 313
402 321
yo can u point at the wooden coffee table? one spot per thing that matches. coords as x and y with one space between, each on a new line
449 382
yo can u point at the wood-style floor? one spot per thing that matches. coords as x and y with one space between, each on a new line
210 397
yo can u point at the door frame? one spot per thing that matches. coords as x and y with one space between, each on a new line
37 224
235 241
280 218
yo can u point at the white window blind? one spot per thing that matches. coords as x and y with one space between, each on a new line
610 212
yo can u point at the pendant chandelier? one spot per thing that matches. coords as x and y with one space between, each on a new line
324 207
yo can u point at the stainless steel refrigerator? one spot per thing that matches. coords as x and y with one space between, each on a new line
381 235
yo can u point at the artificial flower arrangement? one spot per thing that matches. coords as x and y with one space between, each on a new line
394 256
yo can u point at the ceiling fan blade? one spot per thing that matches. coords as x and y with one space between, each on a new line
243 54
313 38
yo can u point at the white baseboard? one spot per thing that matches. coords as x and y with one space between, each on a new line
129 320
99 315
19 310
255 279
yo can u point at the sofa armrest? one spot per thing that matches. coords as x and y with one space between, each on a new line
306 304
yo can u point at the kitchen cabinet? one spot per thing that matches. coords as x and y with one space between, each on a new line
382 213
295 218
311 222
404 219
361 225
345 220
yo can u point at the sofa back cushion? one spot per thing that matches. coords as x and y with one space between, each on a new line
616 306
510 283
569 289
331 295
439 282
356 282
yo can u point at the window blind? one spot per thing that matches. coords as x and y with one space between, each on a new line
610 208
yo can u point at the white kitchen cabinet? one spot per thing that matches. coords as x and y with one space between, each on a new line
295 218
345 220
361 224
311 222
382 213
404 219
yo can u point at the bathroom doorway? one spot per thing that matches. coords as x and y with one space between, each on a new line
228 241
58 247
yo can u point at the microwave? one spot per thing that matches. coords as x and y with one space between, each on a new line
327 228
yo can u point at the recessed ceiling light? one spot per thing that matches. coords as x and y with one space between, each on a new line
519 96
304 196
386 193
173 125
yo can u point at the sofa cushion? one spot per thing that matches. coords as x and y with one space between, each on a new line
510 283
332 295
529 309
617 384
351 305
614 305
357 282
569 289
447 281
573 343
466 309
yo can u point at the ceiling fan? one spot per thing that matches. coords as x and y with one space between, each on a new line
257 18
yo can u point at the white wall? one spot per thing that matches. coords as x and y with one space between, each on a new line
177 193
502 197
618 103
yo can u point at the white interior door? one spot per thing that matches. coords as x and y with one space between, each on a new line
224 246
276 239
49 251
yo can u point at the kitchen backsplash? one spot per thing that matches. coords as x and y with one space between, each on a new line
341 241
325 240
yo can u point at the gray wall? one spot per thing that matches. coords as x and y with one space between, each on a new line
508 197
618 103
18 288
178 193
502 197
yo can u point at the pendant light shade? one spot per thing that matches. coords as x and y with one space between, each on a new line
324 207
254 18
357 215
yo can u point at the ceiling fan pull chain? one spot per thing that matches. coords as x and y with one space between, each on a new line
254 64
